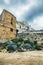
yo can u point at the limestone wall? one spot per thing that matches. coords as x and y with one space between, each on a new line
7 25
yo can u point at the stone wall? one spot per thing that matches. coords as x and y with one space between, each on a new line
7 26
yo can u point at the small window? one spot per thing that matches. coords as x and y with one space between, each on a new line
11 29
17 30
20 26
11 20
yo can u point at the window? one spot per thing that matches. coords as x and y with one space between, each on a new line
11 29
11 20
20 26
17 32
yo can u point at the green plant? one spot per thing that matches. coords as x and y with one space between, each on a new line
4 46
37 46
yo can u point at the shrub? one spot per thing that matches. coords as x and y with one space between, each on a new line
4 46
20 45
37 46
11 46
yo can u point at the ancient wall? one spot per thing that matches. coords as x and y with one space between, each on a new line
7 25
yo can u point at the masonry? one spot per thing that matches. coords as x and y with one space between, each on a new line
7 26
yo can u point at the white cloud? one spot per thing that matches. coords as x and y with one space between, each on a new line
7 2
20 10
37 23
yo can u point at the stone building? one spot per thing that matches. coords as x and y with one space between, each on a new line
7 26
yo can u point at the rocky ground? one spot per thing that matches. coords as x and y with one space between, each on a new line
22 58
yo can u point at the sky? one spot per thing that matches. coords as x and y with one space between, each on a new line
30 11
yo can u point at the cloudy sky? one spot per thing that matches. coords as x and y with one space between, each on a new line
30 11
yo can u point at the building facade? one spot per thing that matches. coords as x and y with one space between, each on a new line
22 27
7 26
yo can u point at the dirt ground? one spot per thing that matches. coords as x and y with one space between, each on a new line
22 58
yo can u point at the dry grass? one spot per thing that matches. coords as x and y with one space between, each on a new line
22 58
